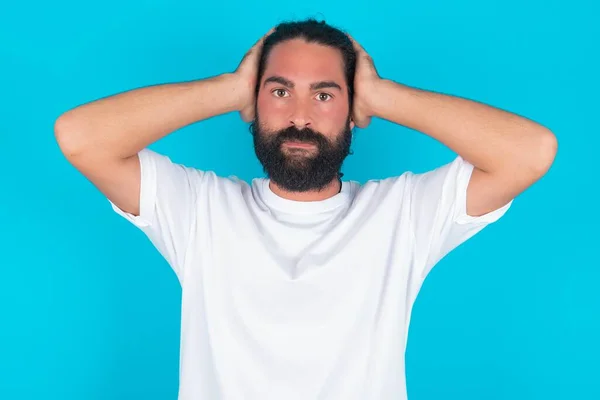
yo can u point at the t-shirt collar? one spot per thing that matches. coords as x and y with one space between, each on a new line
305 207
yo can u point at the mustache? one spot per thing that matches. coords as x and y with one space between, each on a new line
305 135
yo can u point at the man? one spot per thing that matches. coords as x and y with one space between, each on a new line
300 285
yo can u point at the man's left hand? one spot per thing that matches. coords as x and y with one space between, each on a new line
366 80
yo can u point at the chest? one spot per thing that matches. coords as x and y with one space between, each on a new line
303 272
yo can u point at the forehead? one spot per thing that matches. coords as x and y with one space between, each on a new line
303 62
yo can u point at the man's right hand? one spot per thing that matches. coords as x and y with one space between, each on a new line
247 72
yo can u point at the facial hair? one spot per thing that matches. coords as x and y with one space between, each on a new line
301 170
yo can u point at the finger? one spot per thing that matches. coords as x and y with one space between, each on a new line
357 46
258 45
262 39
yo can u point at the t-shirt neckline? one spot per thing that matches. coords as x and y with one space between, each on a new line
294 206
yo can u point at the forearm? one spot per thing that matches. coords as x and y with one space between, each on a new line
491 139
124 124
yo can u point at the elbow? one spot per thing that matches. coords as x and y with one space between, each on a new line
68 136
544 153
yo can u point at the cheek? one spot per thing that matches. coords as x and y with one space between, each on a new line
331 116
270 110
332 109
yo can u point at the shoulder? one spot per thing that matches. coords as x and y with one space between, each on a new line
414 187
173 172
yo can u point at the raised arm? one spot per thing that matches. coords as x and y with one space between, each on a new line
509 152
102 138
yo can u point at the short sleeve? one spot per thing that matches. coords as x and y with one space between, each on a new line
167 215
439 218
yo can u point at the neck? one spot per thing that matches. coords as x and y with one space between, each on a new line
332 188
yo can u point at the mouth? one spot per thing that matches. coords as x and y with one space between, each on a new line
299 145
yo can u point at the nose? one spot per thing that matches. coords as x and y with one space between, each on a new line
300 117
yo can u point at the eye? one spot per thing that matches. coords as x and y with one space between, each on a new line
279 92
324 96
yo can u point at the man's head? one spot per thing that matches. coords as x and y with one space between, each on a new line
305 85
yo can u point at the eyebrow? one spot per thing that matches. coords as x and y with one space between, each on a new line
313 86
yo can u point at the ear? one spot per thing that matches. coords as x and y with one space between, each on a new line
352 125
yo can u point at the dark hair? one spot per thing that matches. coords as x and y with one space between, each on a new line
312 31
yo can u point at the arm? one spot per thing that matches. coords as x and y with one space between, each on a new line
509 152
102 139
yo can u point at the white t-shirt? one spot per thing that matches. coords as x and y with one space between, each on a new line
299 300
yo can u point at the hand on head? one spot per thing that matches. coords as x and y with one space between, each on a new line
247 72
366 80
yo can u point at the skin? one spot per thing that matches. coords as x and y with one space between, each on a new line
509 153
102 138
304 86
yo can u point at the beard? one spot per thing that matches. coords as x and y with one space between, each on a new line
298 169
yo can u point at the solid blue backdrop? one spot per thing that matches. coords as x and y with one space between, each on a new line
88 308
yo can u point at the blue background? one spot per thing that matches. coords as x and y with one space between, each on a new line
89 310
